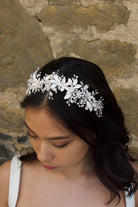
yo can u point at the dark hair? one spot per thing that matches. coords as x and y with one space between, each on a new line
107 135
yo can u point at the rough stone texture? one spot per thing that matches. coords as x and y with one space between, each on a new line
133 146
88 3
63 2
23 45
60 41
128 33
33 7
22 139
103 16
118 51
11 117
128 98
127 82
6 152
5 137
17 145
34 31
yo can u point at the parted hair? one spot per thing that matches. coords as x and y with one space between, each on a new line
107 136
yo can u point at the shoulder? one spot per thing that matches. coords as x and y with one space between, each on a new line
4 183
135 167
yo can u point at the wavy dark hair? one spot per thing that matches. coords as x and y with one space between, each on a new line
107 136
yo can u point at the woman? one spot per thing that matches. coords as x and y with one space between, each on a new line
80 155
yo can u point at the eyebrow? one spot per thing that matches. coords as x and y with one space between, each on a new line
51 138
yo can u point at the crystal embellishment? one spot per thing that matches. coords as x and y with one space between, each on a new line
76 91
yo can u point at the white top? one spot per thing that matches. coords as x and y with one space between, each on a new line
14 184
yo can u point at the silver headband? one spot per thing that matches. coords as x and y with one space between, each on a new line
76 92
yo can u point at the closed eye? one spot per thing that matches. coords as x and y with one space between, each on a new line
59 146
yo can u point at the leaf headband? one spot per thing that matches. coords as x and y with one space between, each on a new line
76 92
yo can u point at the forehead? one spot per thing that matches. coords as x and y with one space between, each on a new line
42 119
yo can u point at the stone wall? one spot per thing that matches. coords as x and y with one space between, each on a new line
34 32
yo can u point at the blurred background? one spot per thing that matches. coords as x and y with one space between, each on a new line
33 32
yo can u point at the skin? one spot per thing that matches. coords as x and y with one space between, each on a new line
72 183
71 160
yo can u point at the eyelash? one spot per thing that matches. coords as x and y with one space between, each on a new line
59 146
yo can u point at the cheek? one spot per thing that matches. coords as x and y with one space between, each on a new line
75 152
81 151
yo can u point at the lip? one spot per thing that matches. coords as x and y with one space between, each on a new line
49 167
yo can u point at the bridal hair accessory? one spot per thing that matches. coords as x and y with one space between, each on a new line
76 92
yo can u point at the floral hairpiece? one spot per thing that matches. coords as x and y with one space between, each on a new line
76 92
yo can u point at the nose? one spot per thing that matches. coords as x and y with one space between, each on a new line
45 154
